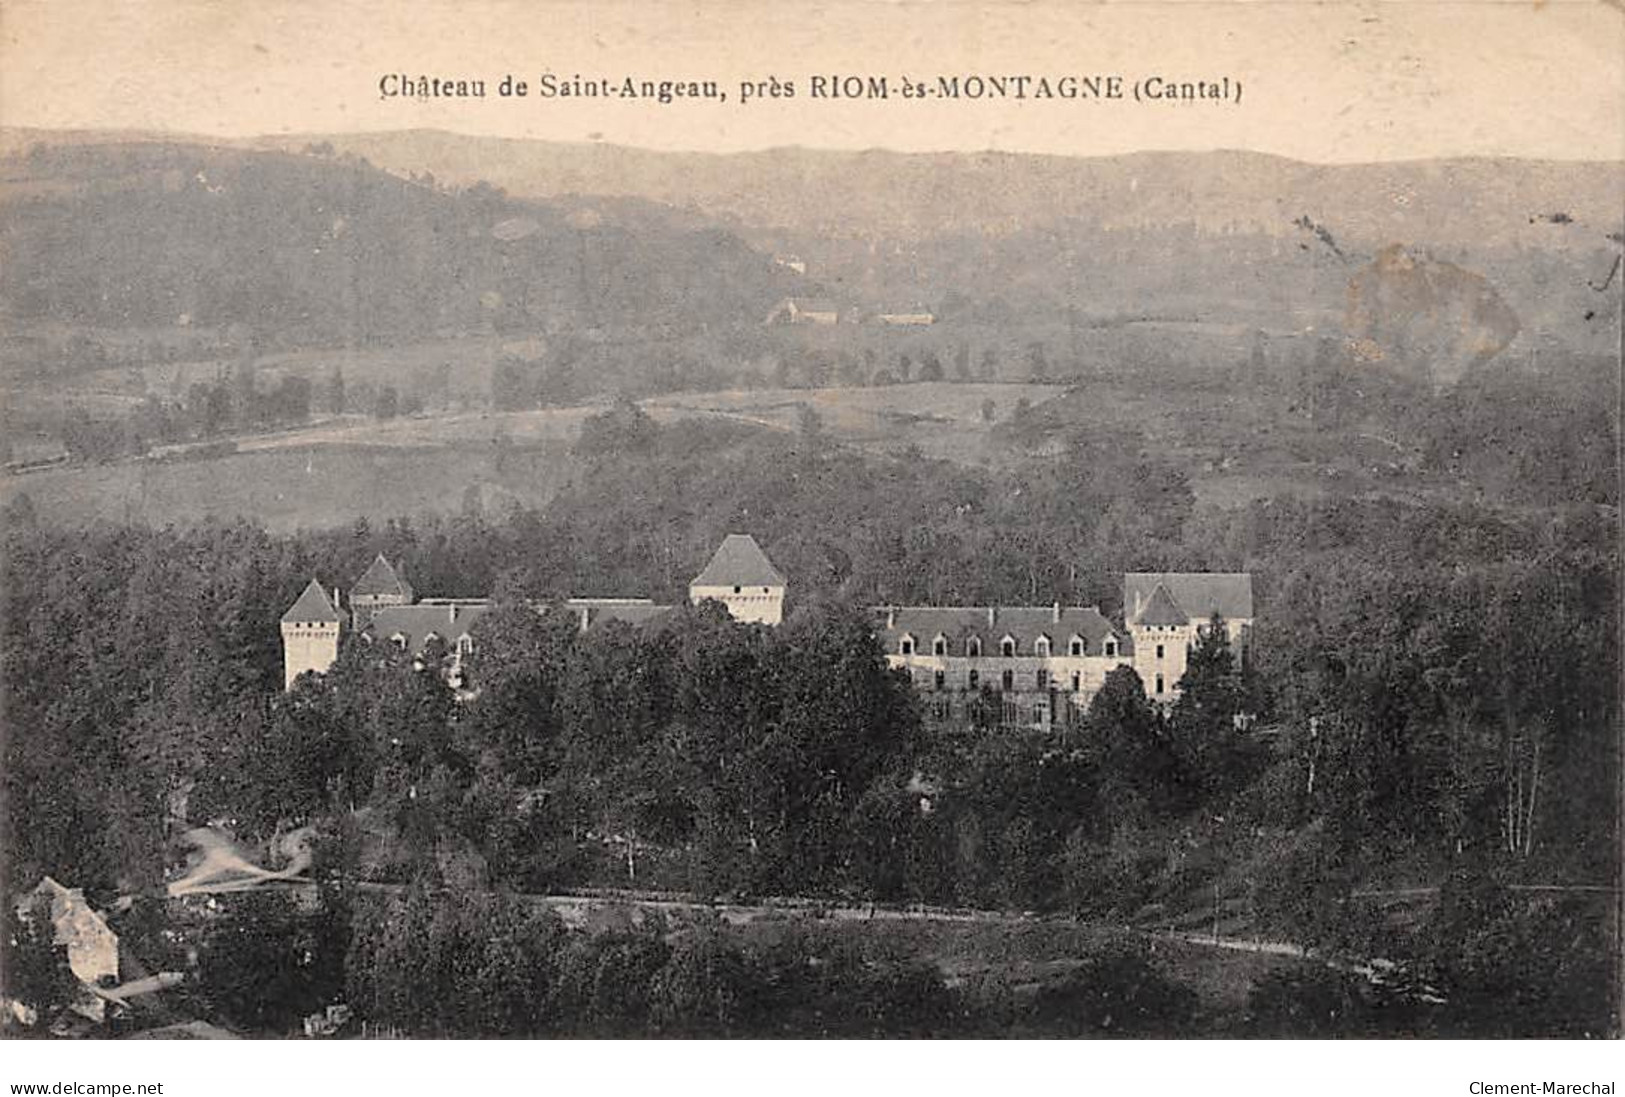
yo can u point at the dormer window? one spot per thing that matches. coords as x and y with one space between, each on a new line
1111 647
1007 647
1041 646
1076 646
939 646
973 647
905 646
465 644
399 640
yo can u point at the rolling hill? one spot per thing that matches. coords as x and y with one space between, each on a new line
1217 236
312 250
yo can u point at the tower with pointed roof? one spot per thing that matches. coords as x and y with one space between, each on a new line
1166 611
741 577
310 634
379 586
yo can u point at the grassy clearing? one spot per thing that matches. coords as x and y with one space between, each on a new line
543 427
942 419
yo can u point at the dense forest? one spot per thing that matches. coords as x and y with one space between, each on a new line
1433 687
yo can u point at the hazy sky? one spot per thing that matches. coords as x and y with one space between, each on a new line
1328 82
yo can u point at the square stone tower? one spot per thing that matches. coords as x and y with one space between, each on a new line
741 577
310 634
1165 612
379 586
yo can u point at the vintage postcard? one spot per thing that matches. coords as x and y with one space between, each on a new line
807 521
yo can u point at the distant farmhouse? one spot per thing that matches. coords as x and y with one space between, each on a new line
913 317
804 310
1043 663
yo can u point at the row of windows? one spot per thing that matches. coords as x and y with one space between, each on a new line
1009 647
465 643
1008 713
1007 681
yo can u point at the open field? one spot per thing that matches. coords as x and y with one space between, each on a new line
520 428
334 470
342 466
942 419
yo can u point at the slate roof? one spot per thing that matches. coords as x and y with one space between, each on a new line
448 620
380 578
1162 610
1025 624
739 562
1197 594
313 605
600 611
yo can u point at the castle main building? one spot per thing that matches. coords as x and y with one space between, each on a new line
1044 663
384 607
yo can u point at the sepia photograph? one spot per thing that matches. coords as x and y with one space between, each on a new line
858 521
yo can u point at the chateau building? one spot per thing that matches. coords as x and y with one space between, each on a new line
1037 660
1166 612
384 608
1043 664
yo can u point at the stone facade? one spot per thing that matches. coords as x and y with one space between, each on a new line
1166 612
385 609
1041 665
310 634
741 577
